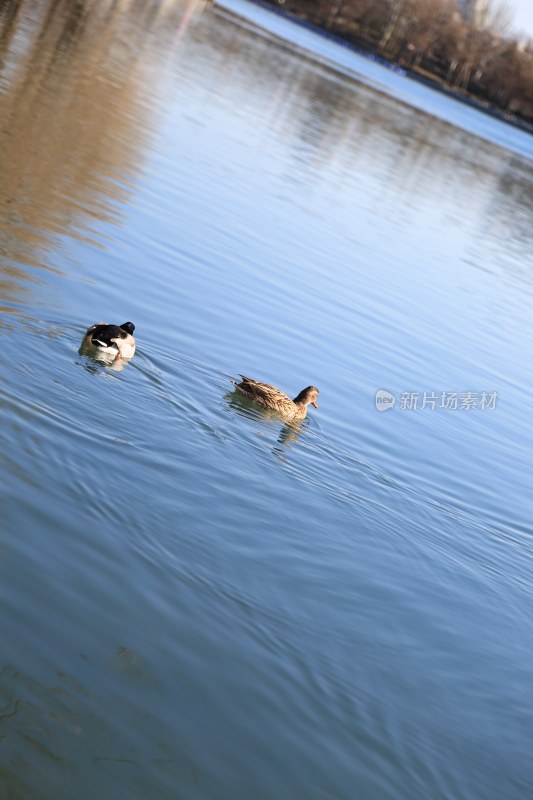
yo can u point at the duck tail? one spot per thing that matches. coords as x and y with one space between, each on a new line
241 386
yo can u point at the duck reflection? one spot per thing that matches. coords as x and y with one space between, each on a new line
94 360
111 346
287 433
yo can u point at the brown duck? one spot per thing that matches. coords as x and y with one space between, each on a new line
273 398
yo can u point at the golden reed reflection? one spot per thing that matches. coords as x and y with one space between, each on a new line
77 83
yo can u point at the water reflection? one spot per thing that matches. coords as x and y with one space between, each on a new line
190 9
285 434
77 103
388 151
508 223
94 360
243 244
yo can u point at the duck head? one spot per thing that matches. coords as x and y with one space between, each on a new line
307 396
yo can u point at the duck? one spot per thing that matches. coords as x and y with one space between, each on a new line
273 398
116 340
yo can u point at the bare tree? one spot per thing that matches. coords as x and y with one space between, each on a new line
473 53
497 16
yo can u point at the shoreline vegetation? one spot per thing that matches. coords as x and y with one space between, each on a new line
473 59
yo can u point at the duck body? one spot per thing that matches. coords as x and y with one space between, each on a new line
115 340
273 398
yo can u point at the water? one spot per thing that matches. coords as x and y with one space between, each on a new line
198 601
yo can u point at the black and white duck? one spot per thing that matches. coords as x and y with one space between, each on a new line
111 340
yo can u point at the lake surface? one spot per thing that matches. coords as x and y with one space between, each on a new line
198 601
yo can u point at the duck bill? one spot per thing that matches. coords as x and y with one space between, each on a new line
314 404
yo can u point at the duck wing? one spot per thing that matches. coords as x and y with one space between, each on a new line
264 393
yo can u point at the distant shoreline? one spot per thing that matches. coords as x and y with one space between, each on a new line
424 77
